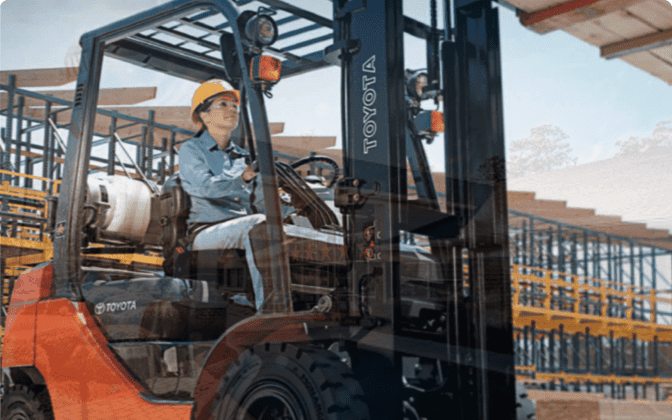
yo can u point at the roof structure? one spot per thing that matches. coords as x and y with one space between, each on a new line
636 31
118 103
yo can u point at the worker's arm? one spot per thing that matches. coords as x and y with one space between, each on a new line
199 180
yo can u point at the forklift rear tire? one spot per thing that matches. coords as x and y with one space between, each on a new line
23 403
276 381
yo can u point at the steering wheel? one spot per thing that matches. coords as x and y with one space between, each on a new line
323 159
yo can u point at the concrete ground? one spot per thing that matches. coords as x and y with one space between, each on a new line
555 405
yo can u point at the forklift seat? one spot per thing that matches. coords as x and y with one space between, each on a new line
317 256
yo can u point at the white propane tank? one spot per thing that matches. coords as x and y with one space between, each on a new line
129 201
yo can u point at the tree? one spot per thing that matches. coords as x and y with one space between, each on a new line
661 136
542 151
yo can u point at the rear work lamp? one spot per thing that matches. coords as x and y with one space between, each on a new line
262 30
265 68
259 29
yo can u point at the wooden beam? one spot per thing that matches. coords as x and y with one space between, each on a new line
569 13
92 167
594 33
40 77
305 144
529 205
177 116
642 43
651 63
119 96
520 195
666 243
563 213
657 13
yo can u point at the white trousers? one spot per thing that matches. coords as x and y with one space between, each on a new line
235 234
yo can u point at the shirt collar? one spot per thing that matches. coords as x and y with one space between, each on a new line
211 145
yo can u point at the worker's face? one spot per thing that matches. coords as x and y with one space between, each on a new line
222 114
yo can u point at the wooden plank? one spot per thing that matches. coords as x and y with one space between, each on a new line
40 77
564 213
277 128
642 43
633 231
520 195
665 244
332 153
119 96
657 13
159 134
306 144
593 33
625 25
613 225
568 13
92 167
529 205
599 223
176 116
534 5
651 64
663 52
297 153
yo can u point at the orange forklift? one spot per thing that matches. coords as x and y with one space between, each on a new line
386 300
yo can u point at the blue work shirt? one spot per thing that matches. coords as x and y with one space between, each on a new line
213 179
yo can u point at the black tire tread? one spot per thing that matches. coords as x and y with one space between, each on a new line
35 398
343 396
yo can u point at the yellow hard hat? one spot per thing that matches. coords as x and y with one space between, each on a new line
207 90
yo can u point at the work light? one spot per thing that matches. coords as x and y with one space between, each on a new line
261 30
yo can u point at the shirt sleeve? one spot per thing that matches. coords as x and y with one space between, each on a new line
199 180
259 200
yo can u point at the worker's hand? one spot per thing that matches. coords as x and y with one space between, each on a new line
248 174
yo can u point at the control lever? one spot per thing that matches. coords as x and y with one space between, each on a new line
352 193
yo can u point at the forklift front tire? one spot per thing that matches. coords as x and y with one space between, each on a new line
276 381
23 403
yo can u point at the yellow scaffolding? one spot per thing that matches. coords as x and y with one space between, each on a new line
549 298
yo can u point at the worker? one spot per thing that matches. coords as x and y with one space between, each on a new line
226 195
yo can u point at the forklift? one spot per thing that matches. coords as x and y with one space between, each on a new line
360 322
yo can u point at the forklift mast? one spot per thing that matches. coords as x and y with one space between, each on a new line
467 234
470 236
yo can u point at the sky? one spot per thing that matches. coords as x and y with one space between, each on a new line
552 79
